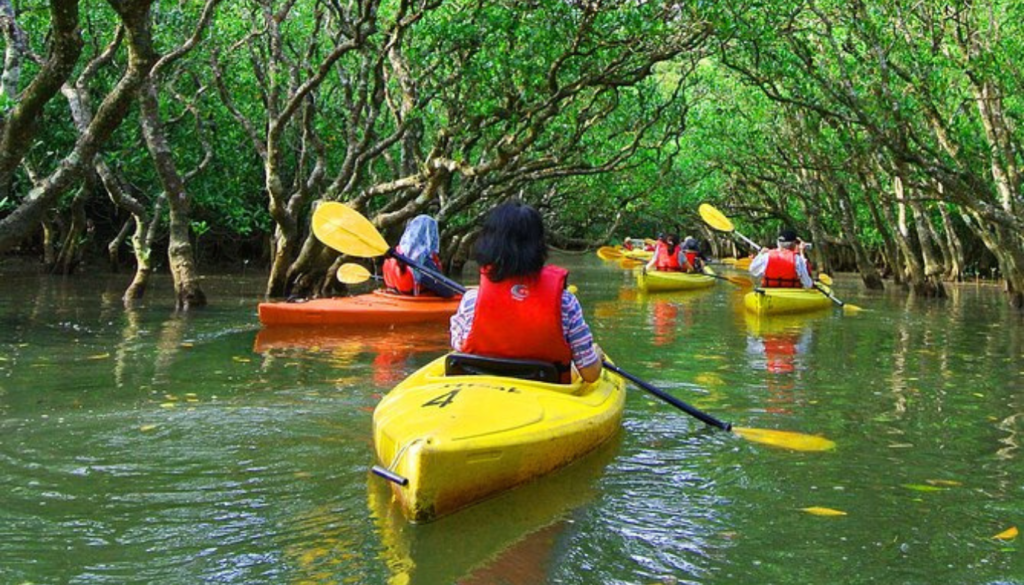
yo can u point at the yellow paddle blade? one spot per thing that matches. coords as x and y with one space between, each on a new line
714 218
346 230
740 281
608 253
786 439
848 308
825 279
350 273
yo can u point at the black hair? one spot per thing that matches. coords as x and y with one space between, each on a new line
672 240
512 242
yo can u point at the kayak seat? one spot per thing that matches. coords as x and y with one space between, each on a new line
466 364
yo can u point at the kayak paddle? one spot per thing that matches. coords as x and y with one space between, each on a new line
827 281
609 253
351 273
347 231
738 281
717 220
785 439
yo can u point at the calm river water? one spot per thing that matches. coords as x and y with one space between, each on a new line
147 447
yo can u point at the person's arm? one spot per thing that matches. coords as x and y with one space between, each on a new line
586 355
462 320
801 271
653 261
759 264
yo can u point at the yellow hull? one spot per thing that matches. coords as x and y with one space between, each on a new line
461 439
781 301
643 255
653 281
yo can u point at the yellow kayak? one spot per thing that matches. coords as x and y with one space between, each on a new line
654 281
780 301
448 441
644 255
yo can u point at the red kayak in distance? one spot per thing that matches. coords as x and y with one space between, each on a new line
376 308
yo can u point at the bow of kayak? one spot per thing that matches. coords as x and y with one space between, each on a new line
456 440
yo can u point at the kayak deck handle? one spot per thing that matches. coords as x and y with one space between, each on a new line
390 475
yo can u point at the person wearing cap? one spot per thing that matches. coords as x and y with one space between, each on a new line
783 266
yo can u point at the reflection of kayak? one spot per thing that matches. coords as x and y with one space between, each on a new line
510 533
777 301
376 308
415 337
460 439
654 281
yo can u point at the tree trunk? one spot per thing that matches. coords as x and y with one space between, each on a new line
924 279
868 274
955 265
188 293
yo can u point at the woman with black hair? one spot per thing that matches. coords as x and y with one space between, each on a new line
669 256
522 309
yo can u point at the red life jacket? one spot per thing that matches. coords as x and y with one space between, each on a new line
399 278
691 257
666 262
521 318
781 270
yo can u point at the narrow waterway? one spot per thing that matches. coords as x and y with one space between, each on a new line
149 447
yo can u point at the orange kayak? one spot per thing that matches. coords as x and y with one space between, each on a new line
376 308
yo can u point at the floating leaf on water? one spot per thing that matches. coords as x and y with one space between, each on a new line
922 488
241 360
186 345
168 405
943 482
709 379
978 394
901 445
820 511
1008 534
170 397
99 356
147 428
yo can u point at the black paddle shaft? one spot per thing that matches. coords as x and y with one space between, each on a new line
434 279
700 415
829 295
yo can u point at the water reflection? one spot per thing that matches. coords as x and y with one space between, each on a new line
390 350
670 314
510 539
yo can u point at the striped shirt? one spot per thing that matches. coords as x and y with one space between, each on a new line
576 331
